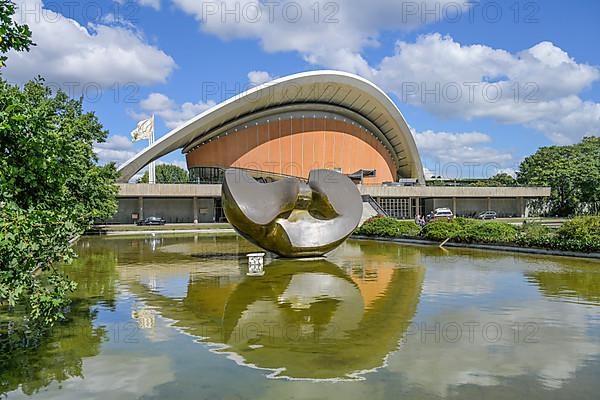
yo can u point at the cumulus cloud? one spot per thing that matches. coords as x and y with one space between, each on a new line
100 53
578 118
331 34
537 87
465 148
155 4
172 114
256 78
117 149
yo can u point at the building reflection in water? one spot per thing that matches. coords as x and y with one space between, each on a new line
302 319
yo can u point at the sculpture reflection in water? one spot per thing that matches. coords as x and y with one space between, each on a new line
289 217
303 319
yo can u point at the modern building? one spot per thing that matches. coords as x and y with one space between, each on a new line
318 119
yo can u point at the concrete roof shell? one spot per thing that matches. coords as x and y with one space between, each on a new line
342 92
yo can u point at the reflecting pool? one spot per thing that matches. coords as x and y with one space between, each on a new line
177 317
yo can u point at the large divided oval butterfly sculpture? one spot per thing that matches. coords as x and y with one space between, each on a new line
290 217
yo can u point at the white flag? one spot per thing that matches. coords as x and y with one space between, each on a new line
143 130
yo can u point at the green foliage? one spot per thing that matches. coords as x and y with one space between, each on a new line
487 232
167 173
50 191
580 234
441 230
13 36
388 227
470 231
581 227
501 179
573 173
536 235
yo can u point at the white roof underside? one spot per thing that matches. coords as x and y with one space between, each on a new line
316 89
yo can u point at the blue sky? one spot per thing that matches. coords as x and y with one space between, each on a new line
158 56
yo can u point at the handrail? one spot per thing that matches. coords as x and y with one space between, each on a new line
369 199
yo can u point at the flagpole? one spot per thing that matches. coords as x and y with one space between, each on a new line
152 167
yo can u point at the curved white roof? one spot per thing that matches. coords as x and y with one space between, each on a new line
314 90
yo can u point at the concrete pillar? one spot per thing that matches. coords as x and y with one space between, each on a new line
521 202
195 209
141 208
454 205
418 205
489 203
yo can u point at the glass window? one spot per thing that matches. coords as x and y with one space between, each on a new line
206 175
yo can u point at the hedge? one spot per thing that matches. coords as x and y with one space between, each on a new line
580 234
388 227
470 231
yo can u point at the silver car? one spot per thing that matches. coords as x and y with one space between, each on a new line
487 215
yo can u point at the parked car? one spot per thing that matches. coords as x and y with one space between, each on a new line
152 221
440 213
487 215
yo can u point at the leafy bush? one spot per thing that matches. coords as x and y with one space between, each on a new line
580 234
581 228
470 231
51 189
442 230
536 235
388 227
487 232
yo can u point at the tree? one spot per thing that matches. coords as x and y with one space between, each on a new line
12 35
500 179
167 173
573 173
51 189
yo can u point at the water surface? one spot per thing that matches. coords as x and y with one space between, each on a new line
177 317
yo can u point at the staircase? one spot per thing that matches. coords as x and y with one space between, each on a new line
370 208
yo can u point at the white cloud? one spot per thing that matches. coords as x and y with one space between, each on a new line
439 59
155 4
462 148
100 53
117 148
257 78
580 118
537 87
331 34
170 112
509 171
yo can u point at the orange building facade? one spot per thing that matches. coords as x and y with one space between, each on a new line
296 143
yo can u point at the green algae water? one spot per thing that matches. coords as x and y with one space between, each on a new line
178 318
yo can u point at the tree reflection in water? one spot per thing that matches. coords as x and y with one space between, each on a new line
33 361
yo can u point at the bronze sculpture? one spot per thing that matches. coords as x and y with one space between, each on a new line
289 217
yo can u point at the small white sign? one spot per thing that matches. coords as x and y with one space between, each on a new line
256 262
